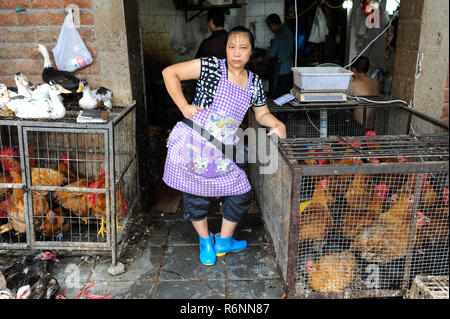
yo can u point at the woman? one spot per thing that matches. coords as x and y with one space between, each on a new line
225 91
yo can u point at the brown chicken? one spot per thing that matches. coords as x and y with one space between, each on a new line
428 195
354 221
53 224
437 229
4 191
97 204
39 176
339 184
358 196
315 220
63 167
332 273
382 243
77 202
400 213
16 211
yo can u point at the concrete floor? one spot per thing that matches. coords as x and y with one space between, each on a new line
161 261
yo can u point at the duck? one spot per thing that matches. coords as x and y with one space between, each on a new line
51 75
87 102
5 111
97 98
36 92
38 109
103 96
23 85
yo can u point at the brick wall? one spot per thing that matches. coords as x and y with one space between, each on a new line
444 117
41 23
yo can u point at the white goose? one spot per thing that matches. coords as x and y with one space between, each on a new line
38 109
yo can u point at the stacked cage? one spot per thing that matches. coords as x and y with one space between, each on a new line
363 211
67 185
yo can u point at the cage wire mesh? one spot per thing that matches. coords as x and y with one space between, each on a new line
63 183
367 208
429 287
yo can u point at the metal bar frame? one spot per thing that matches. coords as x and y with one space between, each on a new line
107 129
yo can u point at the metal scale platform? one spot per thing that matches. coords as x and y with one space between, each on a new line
321 85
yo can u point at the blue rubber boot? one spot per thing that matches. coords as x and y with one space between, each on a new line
207 253
228 245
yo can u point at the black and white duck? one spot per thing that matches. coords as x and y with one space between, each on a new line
97 98
51 75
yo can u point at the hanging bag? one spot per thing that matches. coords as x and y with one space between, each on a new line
70 52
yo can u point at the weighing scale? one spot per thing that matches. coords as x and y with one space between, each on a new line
319 97
321 85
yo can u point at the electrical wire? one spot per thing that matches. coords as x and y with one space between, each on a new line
331 6
304 11
310 121
358 98
376 38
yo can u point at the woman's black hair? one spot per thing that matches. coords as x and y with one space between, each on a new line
241 29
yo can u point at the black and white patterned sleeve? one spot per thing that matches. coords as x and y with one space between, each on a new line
259 97
210 74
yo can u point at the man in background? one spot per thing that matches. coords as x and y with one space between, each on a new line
214 45
280 52
363 85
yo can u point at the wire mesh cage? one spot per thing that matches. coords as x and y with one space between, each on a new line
429 287
363 211
67 185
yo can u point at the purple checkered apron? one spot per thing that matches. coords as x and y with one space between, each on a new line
194 165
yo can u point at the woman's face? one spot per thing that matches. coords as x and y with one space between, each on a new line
239 50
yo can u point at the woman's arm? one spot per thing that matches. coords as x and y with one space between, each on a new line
173 75
265 118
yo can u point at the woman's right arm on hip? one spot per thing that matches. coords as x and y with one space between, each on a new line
174 74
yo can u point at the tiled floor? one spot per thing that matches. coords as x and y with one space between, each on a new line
161 260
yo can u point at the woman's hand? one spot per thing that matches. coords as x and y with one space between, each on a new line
280 130
190 110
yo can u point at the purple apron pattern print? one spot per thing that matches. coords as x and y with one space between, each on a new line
195 166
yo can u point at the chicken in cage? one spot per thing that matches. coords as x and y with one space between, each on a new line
64 194
366 208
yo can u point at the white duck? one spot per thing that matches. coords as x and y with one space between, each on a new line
87 102
36 92
38 109
23 85
92 99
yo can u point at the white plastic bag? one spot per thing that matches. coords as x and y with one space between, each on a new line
319 29
70 52
182 39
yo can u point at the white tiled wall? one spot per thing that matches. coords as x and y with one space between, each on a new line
257 11
158 19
